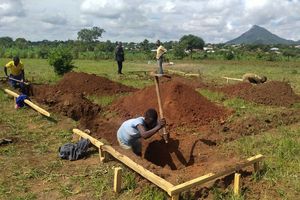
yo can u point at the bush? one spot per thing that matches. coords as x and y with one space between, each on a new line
61 59
229 55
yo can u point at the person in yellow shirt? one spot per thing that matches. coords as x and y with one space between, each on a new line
16 72
160 51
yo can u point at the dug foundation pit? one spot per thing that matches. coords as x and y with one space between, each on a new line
274 93
191 152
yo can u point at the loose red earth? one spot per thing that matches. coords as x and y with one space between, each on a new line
196 125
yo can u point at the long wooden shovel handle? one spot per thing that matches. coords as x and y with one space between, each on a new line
161 113
18 80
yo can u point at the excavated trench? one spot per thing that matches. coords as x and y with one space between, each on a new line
196 125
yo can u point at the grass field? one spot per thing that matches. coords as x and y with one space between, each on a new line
31 169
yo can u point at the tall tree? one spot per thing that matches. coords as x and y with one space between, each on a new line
145 45
21 43
191 42
6 42
90 35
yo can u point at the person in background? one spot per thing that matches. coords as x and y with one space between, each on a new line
132 130
16 72
254 78
119 55
160 51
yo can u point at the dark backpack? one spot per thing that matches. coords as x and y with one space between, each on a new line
76 151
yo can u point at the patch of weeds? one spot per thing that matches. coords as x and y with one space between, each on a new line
101 181
28 196
64 135
21 186
153 193
54 165
66 190
240 105
282 150
79 180
218 194
281 193
34 174
296 105
9 150
3 189
213 96
102 100
41 148
129 181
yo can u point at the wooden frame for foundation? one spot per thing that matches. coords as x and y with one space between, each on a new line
29 103
181 73
173 190
234 79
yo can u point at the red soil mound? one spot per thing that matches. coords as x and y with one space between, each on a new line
73 105
80 82
68 97
181 104
270 93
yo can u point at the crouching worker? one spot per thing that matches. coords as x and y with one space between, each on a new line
17 75
253 78
131 131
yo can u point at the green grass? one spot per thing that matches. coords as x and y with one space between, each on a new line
34 171
282 164
102 100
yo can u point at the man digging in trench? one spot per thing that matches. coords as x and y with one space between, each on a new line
253 78
132 130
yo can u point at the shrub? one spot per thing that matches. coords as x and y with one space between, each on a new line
61 59
229 55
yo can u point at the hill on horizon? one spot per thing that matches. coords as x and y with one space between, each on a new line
260 35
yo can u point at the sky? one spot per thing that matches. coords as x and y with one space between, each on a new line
215 21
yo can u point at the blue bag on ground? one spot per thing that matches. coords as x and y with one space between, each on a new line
20 100
76 151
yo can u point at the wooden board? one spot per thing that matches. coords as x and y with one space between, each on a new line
29 103
235 79
172 190
160 182
211 176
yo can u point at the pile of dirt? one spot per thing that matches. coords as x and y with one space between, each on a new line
270 93
89 84
181 105
68 95
73 105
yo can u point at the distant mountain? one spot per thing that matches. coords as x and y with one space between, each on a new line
259 35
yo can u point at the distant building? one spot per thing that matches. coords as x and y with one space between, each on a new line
209 49
297 46
274 49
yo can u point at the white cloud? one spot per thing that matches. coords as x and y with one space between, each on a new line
57 19
11 8
135 20
103 8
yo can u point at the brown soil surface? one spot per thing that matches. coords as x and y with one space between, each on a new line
182 105
270 93
79 82
68 95
195 124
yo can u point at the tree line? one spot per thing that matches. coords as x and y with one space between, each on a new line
88 46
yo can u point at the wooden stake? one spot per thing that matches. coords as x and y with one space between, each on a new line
118 179
212 176
236 188
103 155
